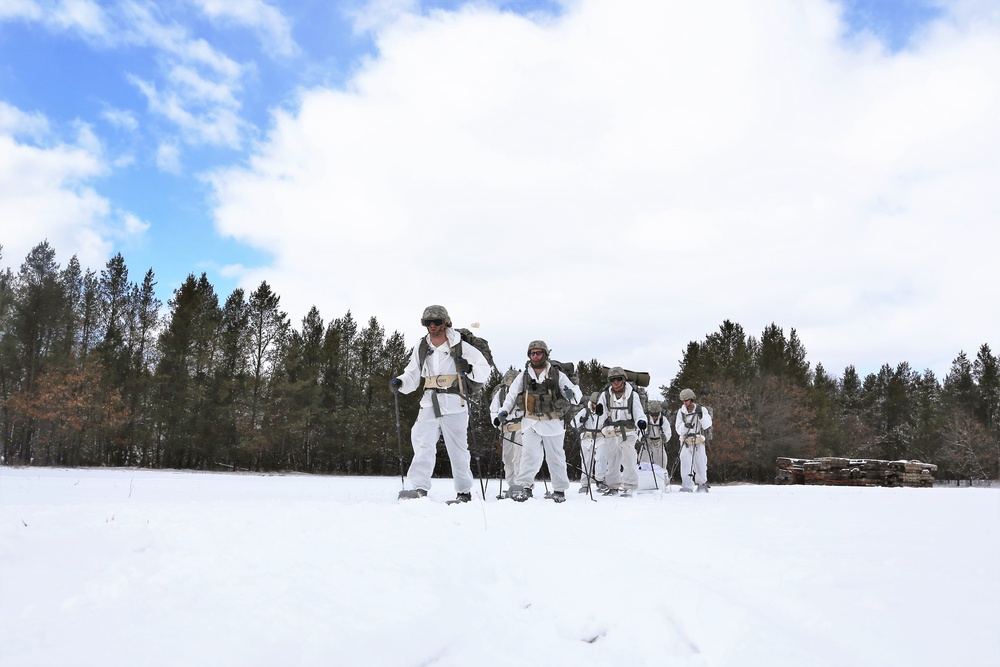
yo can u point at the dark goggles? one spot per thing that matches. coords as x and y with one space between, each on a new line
618 378
436 322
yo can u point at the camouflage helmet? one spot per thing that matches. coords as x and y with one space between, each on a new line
655 407
435 313
687 395
616 371
508 377
538 345
595 397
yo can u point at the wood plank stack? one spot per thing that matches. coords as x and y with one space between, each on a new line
832 470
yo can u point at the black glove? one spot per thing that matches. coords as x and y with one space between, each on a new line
395 383
496 422
598 409
463 366
641 424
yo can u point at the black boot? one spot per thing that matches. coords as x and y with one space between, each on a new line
461 498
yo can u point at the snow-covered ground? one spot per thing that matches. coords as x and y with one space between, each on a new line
146 568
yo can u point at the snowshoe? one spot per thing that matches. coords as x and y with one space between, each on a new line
461 498
415 493
558 496
519 493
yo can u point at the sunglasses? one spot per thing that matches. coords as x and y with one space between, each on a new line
436 322
617 379
536 353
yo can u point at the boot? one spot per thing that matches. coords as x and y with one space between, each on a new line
610 492
519 493
415 493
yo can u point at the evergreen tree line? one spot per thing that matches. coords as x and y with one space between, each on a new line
92 374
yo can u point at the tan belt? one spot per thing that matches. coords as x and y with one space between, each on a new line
511 427
439 381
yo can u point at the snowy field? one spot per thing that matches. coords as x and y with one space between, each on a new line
146 568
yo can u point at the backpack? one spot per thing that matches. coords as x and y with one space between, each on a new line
567 368
636 378
708 431
472 387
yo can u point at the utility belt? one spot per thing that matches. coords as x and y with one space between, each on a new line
442 383
690 440
590 435
623 429
512 425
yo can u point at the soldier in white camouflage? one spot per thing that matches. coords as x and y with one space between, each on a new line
691 423
444 406
657 434
545 394
510 431
593 458
624 419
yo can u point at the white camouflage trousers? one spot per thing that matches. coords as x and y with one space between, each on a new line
623 472
693 458
424 436
535 448
511 454
593 459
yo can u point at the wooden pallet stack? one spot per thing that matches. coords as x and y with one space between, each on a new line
832 470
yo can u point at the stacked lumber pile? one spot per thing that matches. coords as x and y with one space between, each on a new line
854 472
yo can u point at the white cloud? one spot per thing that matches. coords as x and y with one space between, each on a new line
271 25
81 16
168 158
17 122
122 118
620 180
46 192
20 9
198 86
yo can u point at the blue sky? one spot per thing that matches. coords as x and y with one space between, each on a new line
673 163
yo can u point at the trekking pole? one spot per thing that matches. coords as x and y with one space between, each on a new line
475 445
649 455
503 468
673 468
591 481
399 438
